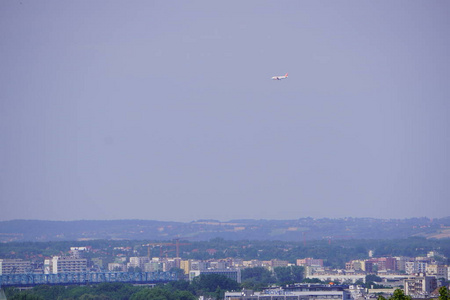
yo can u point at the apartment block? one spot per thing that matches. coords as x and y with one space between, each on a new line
116 267
64 264
310 262
420 285
234 274
14 266
303 292
439 271
413 267
138 262
274 263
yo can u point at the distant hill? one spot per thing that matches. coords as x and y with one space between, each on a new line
284 230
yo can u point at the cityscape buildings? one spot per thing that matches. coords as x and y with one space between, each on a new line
418 276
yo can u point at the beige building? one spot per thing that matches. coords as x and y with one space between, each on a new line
184 265
439 271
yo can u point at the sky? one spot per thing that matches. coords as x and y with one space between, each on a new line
165 110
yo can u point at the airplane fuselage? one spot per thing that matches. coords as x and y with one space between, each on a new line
280 77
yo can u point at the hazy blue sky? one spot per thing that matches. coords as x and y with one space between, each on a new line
165 109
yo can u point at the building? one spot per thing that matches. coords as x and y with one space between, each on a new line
387 263
414 267
234 274
310 262
65 264
116 267
184 265
197 265
253 263
138 262
274 263
420 286
153 266
298 292
401 261
76 252
438 271
15 266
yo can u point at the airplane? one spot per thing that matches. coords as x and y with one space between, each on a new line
280 77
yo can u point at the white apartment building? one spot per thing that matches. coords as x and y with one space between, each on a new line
14 266
413 267
138 262
64 264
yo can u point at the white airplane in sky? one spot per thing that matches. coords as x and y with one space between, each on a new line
280 77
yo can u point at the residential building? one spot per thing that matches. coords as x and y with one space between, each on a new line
14 266
234 274
438 271
356 265
138 262
153 266
414 267
65 264
401 261
420 285
184 265
77 252
298 292
274 263
310 262
197 265
387 263
116 267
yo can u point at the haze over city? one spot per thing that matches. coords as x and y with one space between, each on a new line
166 110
